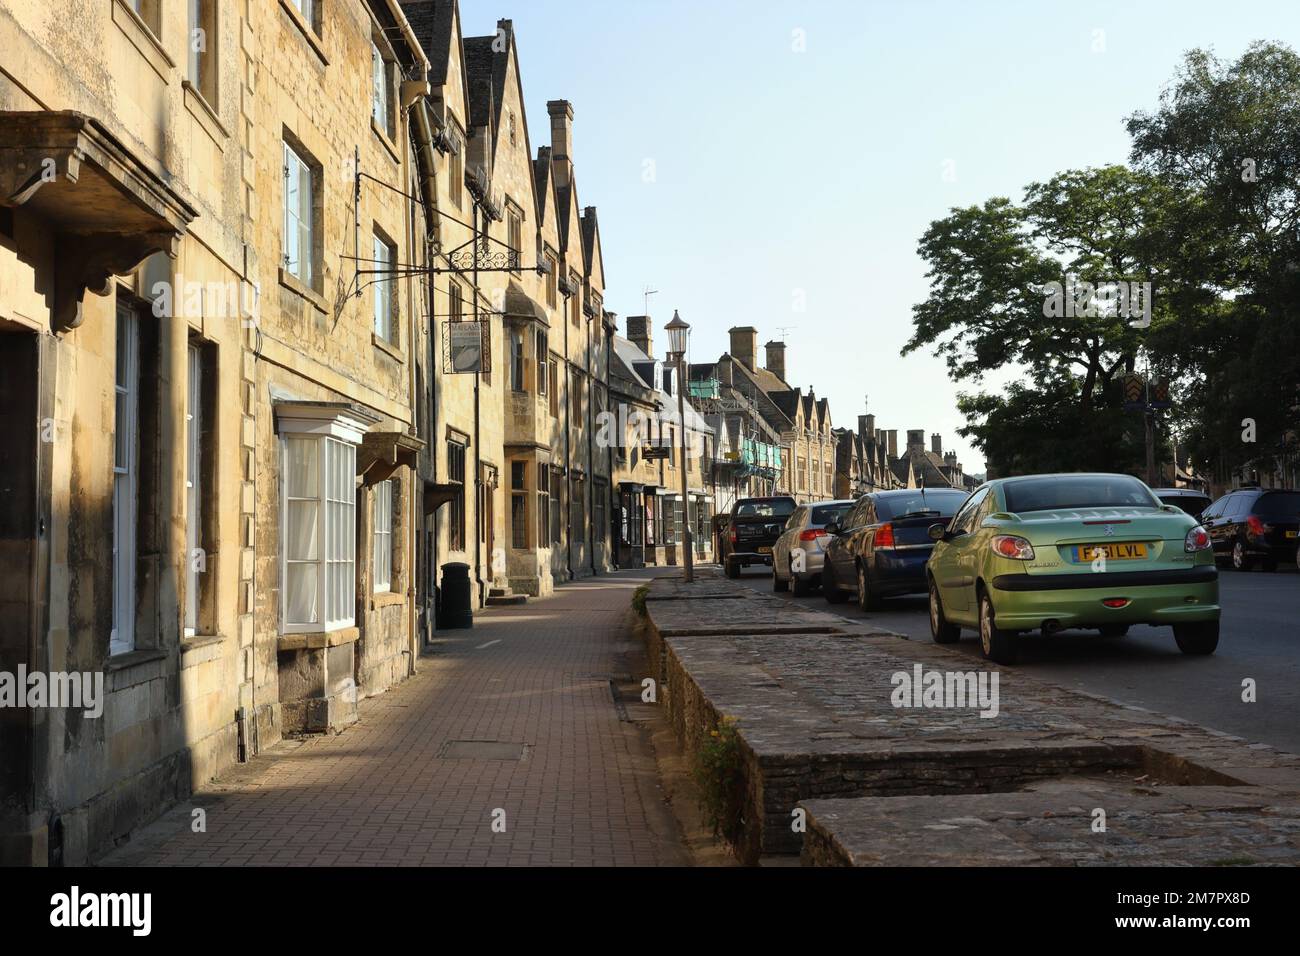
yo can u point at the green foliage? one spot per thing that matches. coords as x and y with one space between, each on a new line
1222 253
638 600
720 782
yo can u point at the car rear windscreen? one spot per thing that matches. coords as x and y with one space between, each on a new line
1278 504
942 504
828 513
776 508
1189 503
1077 491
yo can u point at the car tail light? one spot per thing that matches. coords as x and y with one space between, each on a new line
1011 546
1116 602
885 536
812 534
1256 526
732 535
1198 539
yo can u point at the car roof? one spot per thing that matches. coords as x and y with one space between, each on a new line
1180 491
895 492
1062 474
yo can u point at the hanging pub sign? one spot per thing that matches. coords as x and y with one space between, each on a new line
466 343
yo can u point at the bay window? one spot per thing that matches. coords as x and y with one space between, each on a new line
319 522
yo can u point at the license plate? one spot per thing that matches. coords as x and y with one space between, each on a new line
1128 551
1292 534
764 550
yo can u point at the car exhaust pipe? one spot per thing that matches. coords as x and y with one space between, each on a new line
1051 626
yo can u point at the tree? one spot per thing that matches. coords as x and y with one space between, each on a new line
990 267
1230 135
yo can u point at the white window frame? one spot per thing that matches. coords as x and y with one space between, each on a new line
126 389
299 236
381 90
308 10
382 517
339 433
193 488
385 257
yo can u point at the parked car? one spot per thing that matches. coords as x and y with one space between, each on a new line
752 529
805 534
880 547
1189 499
1255 524
1052 552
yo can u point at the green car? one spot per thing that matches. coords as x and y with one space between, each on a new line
1049 552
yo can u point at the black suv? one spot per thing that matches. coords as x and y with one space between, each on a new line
752 529
1254 524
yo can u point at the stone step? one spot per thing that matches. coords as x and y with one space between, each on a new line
496 600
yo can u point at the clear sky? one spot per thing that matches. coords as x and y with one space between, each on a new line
743 177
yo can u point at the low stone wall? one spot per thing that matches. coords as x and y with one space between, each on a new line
810 693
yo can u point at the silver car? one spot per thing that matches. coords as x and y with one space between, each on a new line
797 554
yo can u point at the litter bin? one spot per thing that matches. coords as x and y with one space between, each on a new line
456 604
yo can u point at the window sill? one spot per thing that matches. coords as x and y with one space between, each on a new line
296 285
307 30
134 667
382 135
201 648
318 640
143 39
386 599
384 345
202 110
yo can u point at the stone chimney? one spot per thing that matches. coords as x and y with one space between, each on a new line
867 426
776 359
638 333
915 440
744 344
950 459
893 442
936 443
561 140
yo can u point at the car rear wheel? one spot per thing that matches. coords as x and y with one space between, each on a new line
868 600
1114 630
832 594
778 583
940 629
1241 561
802 586
998 645
1199 638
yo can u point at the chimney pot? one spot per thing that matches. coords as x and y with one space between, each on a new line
936 443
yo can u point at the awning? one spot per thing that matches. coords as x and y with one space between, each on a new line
382 453
108 211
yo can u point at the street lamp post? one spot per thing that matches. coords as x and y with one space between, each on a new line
678 333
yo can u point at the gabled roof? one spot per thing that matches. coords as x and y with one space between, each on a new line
478 78
432 22
635 360
591 243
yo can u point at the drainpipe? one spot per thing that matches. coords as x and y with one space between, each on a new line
478 462
591 460
568 451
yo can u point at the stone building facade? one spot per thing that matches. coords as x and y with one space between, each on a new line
648 510
236 239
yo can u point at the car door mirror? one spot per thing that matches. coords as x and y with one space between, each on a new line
938 531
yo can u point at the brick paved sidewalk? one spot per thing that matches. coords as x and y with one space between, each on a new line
392 790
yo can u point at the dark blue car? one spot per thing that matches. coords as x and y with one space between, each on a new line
880 547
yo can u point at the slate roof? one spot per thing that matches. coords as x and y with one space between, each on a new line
431 22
